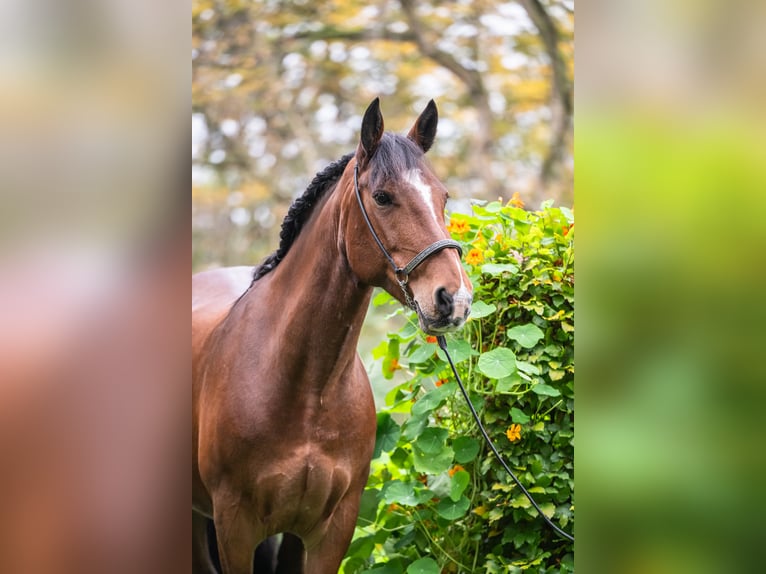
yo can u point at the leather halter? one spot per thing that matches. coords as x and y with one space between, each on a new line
403 273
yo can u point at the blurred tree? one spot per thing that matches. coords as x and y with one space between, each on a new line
278 89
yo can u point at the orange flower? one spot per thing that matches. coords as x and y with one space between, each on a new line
395 364
457 226
440 382
430 339
513 433
515 200
455 469
474 257
567 228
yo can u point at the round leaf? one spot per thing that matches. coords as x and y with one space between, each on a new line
497 363
432 463
452 510
481 309
431 440
466 449
424 566
526 335
399 492
460 482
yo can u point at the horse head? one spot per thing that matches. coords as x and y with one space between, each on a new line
400 204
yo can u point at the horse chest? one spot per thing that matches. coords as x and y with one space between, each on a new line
301 492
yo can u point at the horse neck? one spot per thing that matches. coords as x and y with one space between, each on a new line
318 305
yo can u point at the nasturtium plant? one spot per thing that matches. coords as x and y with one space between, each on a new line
437 501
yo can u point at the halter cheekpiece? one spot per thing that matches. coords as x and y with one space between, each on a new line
403 273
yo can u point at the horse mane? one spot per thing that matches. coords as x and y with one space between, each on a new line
300 211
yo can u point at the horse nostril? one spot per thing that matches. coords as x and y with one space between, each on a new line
444 302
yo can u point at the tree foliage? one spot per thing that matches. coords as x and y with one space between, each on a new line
278 89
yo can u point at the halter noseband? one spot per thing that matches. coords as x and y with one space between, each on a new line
403 273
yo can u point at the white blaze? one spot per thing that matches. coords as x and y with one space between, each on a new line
415 180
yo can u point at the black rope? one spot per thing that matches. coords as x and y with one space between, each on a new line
443 345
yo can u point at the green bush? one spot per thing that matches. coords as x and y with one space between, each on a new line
437 500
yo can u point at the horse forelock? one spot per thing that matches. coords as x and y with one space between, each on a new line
394 157
300 211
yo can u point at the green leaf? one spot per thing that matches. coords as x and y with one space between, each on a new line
382 298
548 509
368 506
424 566
433 399
499 268
387 434
519 416
380 350
400 493
391 567
415 425
362 547
460 350
408 331
432 463
526 335
508 384
527 368
466 449
431 440
391 359
460 482
547 390
556 375
423 353
451 509
497 363
481 309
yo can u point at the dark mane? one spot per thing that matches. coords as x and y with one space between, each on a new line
299 212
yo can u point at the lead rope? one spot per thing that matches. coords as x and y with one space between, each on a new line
443 346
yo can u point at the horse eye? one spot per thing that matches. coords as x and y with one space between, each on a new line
382 198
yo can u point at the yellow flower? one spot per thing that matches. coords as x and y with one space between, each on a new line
516 200
457 226
513 433
474 257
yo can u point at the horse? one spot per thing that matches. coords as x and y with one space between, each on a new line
284 421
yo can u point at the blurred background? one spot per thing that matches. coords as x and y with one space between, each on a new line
279 89
671 203
671 197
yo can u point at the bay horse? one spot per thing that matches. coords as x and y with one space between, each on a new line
283 416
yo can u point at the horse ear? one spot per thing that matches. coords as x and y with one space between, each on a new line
372 131
424 130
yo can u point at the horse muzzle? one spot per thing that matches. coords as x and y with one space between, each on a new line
448 313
